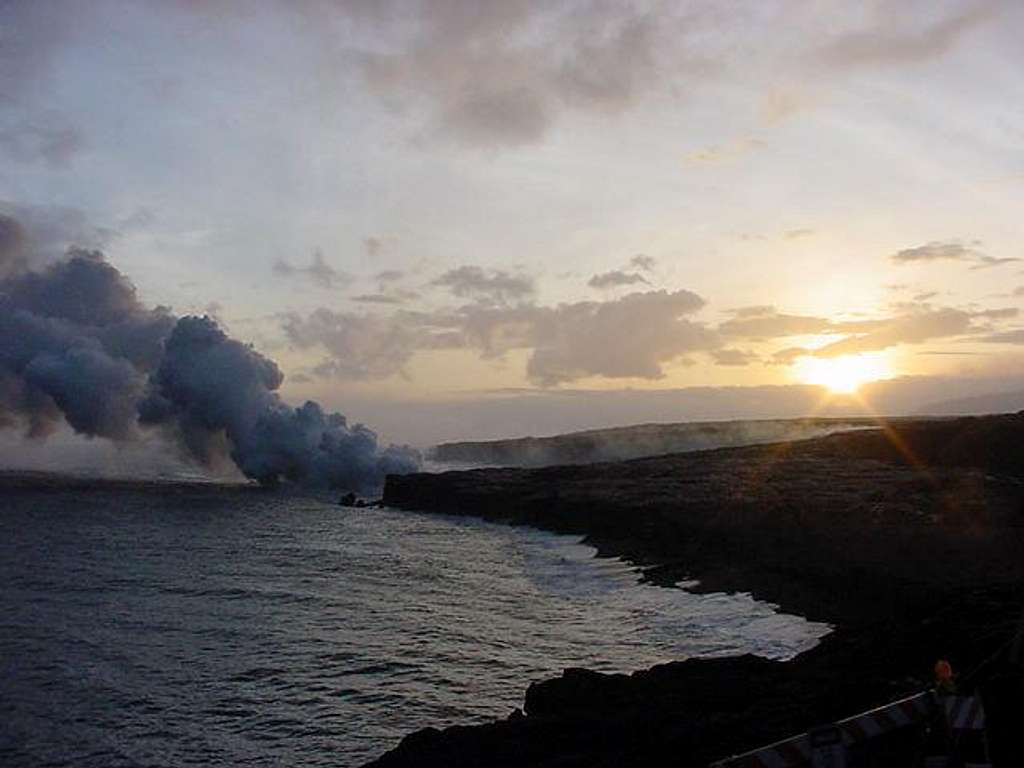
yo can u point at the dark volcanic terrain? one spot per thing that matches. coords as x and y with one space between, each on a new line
908 538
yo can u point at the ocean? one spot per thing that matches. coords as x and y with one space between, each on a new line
164 625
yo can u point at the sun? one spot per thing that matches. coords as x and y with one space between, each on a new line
842 375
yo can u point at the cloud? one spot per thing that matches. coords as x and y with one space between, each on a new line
32 34
502 74
632 336
766 323
393 296
796 234
12 246
318 271
949 250
55 145
917 323
894 41
635 336
732 357
788 355
36 235
389 276
1004 313
377 298
512 117
646 263
388 290
373 246
358 346
755 310
1006 337
490 286
913 328
614 279
987 262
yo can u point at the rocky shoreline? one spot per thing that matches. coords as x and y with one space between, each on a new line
908 538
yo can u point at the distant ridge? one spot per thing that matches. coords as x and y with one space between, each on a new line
634 442
998 402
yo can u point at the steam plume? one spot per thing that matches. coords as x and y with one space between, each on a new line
76 345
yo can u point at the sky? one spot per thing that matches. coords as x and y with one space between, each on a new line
456 219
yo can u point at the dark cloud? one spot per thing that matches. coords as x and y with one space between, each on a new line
491 286
318 271
615 279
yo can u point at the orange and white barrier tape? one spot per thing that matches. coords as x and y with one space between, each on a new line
799 750
889 717
964 713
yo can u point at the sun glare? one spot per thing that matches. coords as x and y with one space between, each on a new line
842 375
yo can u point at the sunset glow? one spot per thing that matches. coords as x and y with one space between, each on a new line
469 220
842 375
